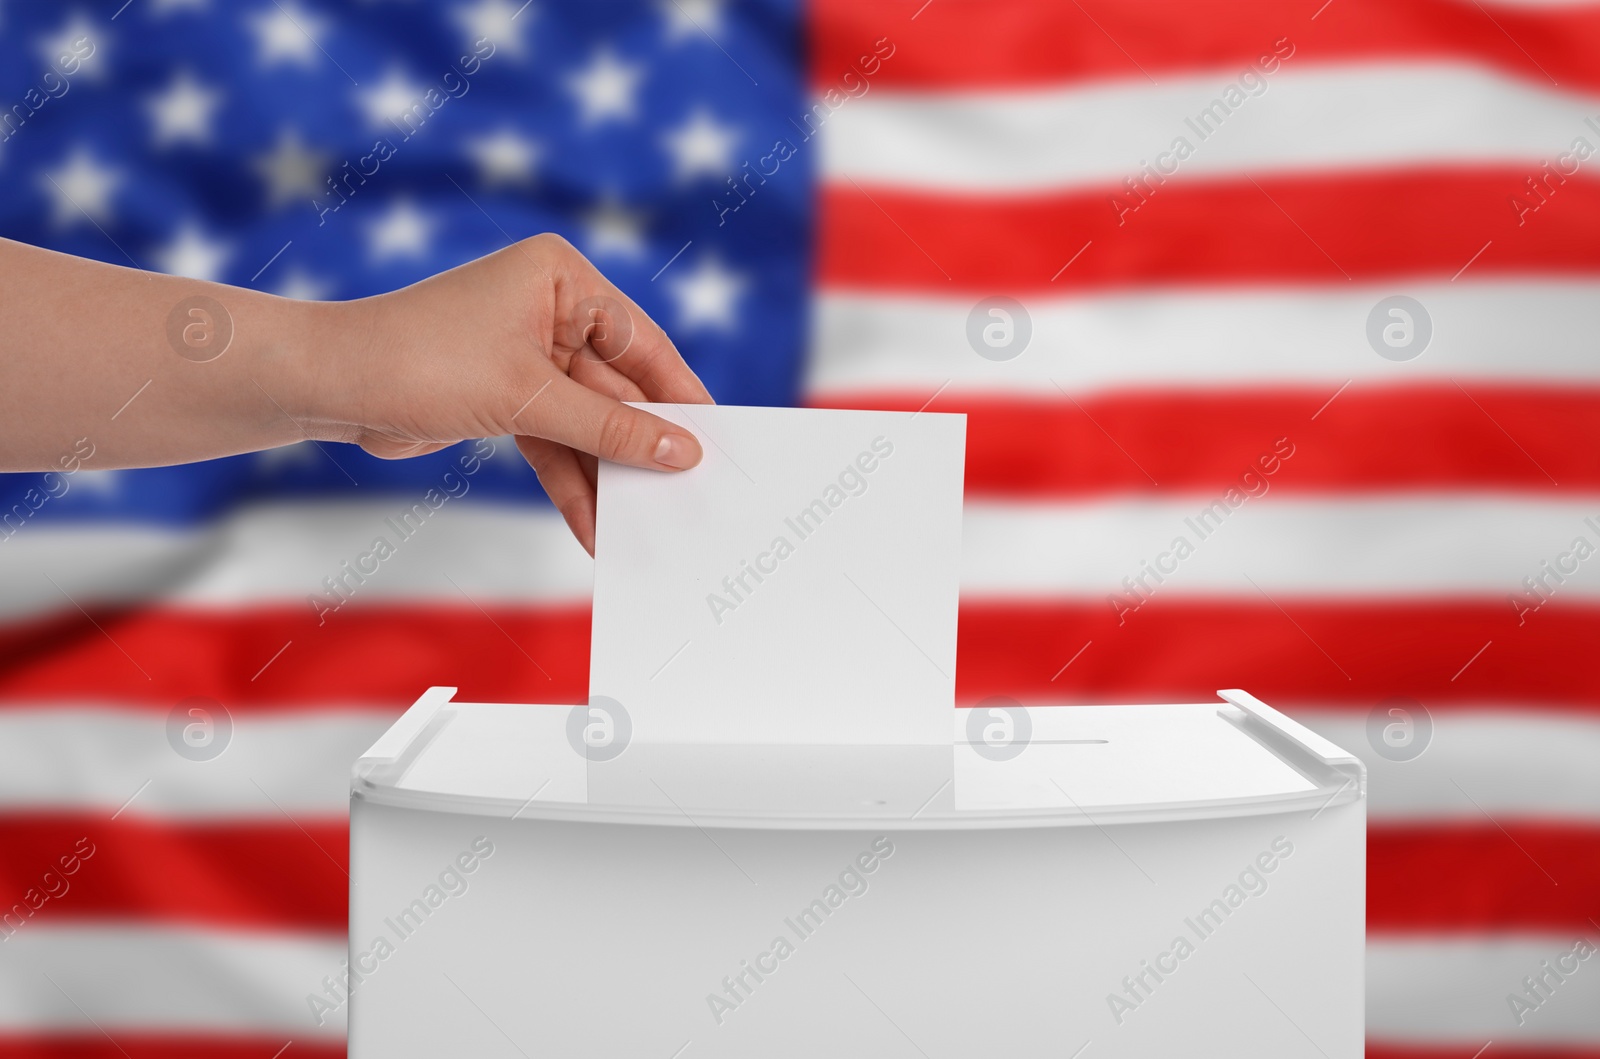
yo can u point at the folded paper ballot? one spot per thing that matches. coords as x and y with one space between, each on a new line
798 586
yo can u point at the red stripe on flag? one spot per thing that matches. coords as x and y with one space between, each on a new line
971 46
243 874
374 655
1288 651
141 1044
288 874
1276 228
1385 1050
1426 878
1372 437
135 1045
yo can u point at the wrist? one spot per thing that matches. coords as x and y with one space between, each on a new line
318 360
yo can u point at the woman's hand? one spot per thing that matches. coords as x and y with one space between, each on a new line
142 369
531 341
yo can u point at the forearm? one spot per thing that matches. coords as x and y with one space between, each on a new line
133 362
118 367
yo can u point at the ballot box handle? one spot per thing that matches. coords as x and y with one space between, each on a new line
1321 758
404 740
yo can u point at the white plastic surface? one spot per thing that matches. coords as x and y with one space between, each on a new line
1080 763
1096 758
602 939
520 887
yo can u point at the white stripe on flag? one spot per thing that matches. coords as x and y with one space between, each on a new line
282 552
166 979
297 762
1384 546
1305 117
1526 331
1451 991
1511 763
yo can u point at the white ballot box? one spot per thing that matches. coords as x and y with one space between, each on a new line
1141 881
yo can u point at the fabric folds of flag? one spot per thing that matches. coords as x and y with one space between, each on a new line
1152 250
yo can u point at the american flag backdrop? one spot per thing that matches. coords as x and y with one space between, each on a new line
1307 286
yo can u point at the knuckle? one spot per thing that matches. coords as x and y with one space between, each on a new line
551 244
619 434
544 460
539 459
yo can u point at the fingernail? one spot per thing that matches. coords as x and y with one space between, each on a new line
677 452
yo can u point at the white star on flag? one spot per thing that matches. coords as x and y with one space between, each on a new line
183 111
191 254
691 18
605 88
504 158
701 145
302 286
286 32
501 22
706 296
162 8
105 483
291 170
402 231
64 43
295 454
612 228
507 453
80 187
390 102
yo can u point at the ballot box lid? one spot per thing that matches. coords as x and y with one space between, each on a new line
1005 766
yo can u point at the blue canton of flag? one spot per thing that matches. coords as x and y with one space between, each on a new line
336 150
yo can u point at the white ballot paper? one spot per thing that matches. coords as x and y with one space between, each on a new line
798 586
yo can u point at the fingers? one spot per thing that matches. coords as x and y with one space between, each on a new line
571 490
601 377
596 313
580 418
385 447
